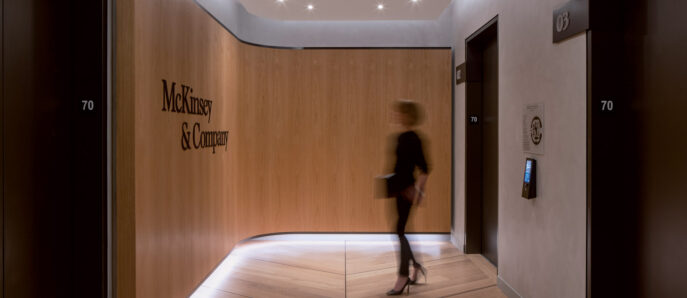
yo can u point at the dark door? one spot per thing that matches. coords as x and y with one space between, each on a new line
490 149
53 145
481 164
637 149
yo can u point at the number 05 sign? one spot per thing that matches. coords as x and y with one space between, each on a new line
572 18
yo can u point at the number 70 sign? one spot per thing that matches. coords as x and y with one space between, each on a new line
87 105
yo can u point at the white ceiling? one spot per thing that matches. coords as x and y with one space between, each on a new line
346 10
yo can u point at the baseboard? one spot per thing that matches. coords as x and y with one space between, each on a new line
457 243
507 289
351 237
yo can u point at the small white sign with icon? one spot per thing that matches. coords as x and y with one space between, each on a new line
533 128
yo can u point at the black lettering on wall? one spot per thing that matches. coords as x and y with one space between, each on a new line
167 96
186 103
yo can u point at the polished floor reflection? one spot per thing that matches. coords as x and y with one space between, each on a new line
273 267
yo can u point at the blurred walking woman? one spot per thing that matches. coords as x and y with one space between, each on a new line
409 156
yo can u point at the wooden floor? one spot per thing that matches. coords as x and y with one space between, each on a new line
271 268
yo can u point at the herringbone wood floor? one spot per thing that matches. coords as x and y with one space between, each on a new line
345 269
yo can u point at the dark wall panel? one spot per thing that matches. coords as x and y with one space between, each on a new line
637 162
53 196
481 140
2 155
663 118
490 149
37 150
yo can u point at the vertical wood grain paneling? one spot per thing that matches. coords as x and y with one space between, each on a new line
308 131
314 131
184 213
125 159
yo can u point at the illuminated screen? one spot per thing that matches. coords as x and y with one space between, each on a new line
528 170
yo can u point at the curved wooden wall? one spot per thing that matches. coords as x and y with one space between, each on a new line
315 129
308 131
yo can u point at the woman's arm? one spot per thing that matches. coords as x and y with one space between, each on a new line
424 169
420 188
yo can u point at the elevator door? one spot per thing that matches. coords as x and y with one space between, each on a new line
636 149
490 150
53 149
481 142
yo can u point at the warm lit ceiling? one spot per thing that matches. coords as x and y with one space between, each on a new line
346 10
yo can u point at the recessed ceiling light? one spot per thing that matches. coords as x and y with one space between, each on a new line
280 1
380 6
415 1
310 7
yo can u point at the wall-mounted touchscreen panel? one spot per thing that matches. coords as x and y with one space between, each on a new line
529 183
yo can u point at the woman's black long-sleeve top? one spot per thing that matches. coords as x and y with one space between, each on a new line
409 154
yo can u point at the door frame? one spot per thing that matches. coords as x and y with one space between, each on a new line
473 134
2 149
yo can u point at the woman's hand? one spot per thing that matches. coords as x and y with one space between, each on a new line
419 196
420 188
409 193
413 194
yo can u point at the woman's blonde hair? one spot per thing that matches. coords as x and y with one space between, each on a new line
411 110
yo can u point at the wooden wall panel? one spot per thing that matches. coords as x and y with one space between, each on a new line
125 159
184 214
174 207
308 131
314 129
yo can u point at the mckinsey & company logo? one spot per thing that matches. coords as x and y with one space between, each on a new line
184 102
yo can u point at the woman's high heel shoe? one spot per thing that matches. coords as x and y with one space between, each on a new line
422 270
393 292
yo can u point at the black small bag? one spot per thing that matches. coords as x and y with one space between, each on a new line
387 186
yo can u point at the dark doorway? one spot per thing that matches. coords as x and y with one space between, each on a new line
481 163
637 165
53 148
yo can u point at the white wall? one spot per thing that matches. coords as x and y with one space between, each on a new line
541 242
